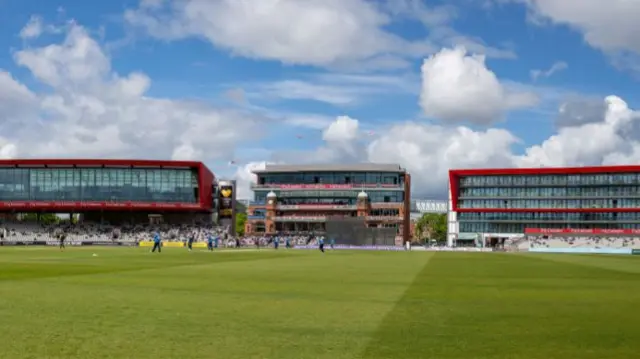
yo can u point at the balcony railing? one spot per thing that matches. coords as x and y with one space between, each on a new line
386 205
384 218
300 218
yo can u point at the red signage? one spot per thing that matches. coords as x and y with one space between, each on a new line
301 218
326 186
314 206
594 231
72 205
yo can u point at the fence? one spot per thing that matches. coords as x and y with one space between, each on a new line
353 232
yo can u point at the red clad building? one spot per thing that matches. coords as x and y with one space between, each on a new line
582 200
105 186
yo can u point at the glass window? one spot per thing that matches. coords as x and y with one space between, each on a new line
98 184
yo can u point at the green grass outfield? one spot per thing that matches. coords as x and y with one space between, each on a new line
128 303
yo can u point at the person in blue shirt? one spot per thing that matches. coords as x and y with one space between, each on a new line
321 244
190 241
157 243
276 242
209 242
215 241
332 242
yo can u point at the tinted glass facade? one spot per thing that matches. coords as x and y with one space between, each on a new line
517 222
99 184
347 196
511 203
550 180
332 178
553 191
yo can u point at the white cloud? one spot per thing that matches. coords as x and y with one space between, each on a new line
341 34
591 143
338 89
343 129
32 29
186 152
315 122
437 20
16 100
299 90
91 111
610 26
417 9
446 36
457 87
296 32
244 177
8 150
556 67
429 151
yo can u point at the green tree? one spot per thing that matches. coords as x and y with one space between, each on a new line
431 226
46 218
241 219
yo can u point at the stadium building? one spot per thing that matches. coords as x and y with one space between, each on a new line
496 204
114 191
314 198
422 206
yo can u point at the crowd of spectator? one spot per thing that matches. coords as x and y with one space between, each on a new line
582 242
24 231
92 232
27 232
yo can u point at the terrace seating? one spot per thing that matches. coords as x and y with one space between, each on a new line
25 231
93 232
584 242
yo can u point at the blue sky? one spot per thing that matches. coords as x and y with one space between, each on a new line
432 85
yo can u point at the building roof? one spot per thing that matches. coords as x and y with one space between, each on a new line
357 167
69 162
544 170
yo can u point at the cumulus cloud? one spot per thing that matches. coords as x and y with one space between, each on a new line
89 110
610 26
591 143
429 150
244 176
295 32
458 87
343 129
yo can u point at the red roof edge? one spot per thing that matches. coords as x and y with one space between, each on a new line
97 162
544 170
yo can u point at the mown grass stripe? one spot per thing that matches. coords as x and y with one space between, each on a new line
505 306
